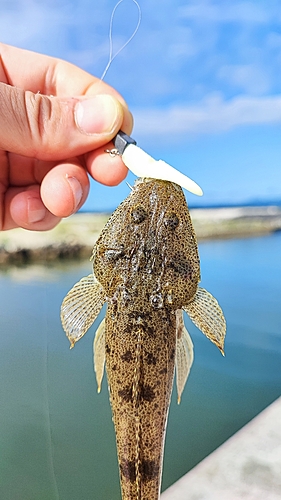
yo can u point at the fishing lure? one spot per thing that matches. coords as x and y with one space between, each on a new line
146 268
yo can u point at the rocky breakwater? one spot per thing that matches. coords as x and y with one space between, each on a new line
75 237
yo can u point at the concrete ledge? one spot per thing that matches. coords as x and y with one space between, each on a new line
247 466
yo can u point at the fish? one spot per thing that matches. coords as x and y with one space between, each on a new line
146 268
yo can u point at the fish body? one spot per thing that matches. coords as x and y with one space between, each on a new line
140 373
146 267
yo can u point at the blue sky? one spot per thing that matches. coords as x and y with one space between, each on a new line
202 78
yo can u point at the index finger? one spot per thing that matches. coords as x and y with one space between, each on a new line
48 75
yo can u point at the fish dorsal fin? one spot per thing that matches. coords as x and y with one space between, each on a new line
81 307
184 354
207 315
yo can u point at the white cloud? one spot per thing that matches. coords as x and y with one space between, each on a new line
273 46
250 78
49 26
23 22
222 11
173 57
213 114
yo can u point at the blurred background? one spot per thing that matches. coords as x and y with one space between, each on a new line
202 79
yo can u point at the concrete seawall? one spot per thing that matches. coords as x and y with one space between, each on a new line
247 466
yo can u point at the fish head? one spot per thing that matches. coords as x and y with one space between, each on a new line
148 249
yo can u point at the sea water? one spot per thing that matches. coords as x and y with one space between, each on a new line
56 433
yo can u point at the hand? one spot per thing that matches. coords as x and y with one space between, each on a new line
56 120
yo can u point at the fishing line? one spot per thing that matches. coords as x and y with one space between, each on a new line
111 56
47 403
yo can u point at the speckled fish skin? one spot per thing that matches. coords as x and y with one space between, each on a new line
147 270
147 261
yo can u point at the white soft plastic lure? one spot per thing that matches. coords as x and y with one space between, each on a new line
145 166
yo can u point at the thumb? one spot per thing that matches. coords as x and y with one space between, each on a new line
53 128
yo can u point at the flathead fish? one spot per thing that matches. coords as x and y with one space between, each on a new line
146 268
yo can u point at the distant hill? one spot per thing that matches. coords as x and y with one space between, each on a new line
249 203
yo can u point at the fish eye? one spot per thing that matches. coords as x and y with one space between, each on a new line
171 221
138 214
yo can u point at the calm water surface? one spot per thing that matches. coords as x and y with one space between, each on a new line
56 435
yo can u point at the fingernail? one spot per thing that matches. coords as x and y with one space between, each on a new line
96 115
35 209
77 191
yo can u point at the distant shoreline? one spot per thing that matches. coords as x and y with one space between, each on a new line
75 237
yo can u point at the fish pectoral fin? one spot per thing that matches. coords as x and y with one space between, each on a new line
184 354
99 353
81 307
207 315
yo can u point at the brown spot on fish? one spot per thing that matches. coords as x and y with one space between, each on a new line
146 393
126 394
181 266
171 221
150 331
150 359
128 356
128 470
149 470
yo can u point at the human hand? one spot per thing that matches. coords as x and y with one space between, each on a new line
56 120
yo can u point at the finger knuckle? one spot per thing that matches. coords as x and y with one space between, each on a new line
39 115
